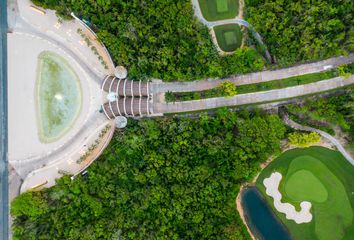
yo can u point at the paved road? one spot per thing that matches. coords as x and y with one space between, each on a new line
3 124
333 140
257 77
253 98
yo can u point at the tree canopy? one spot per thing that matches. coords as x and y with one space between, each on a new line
296 30
159 179
158 39
303 139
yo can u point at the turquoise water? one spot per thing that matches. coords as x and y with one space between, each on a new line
4 187
59 96
260 218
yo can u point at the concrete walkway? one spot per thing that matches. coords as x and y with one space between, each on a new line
333 140
257 77
64 34
46 32
254 98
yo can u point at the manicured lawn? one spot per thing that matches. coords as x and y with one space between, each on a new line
322 177
313 191
228 36
222 6
214 10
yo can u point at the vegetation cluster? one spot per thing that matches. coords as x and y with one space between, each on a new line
157 39
327 113
225 89
303 139
296 31
159 179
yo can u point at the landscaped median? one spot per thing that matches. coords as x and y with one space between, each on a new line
258 87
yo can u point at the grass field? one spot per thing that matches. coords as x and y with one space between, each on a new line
322 177
214 10
313 191
228 36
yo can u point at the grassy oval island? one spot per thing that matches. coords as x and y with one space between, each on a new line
322 177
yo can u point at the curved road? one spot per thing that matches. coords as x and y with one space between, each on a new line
26 28
333 140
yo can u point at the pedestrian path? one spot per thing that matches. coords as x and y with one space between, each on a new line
251 78
333 140
253 98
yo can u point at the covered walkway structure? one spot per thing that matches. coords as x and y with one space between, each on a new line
126 98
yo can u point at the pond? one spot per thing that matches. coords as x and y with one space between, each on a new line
260 218
58 96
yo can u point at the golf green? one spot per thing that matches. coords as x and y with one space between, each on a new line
312 191
214 10
228 36
324 178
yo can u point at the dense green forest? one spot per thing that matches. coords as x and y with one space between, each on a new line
157 39
296 30
169 178
328 113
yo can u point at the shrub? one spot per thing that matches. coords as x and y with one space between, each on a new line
301 139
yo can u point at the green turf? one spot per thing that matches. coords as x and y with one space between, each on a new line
333 217
214 10
222 6
313 190
228 36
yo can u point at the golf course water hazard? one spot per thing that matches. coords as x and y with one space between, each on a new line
260 218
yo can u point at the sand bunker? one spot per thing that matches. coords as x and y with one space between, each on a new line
272 189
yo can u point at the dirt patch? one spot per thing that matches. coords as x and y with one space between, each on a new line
240 9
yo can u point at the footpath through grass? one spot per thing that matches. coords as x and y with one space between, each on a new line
256 87
332 200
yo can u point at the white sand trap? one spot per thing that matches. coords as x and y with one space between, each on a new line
272 189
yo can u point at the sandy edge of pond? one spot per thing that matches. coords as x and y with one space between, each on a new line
241 212
285 147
